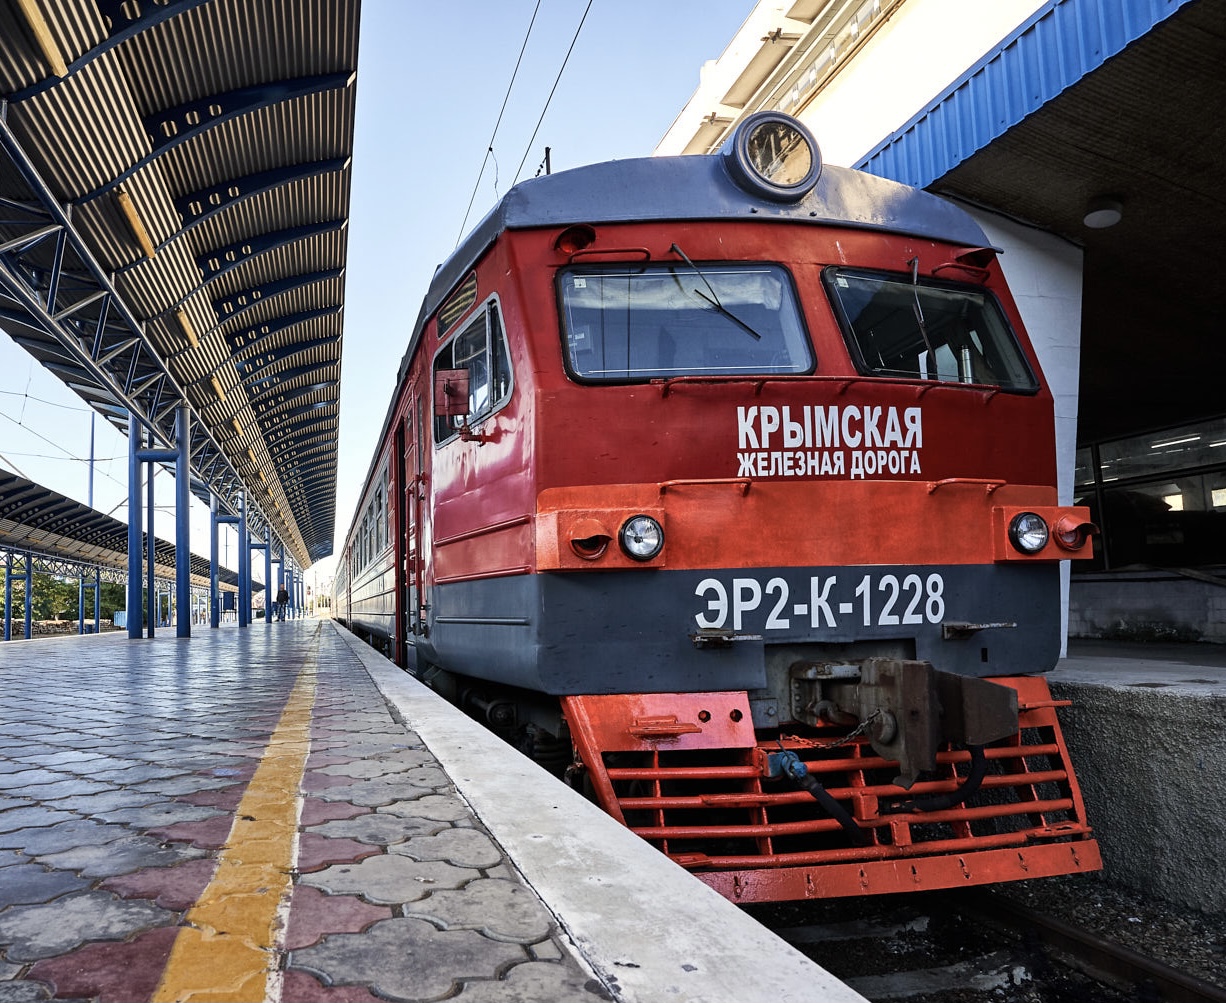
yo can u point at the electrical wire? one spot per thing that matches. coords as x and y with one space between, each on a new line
67 454
66 407
551 93
76 459
489 152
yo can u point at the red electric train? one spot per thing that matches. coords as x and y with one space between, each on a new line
726 487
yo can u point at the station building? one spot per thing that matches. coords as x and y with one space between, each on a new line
1085 137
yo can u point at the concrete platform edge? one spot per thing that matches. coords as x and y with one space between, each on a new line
650 930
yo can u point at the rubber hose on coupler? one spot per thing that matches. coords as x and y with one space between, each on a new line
833 808
939 802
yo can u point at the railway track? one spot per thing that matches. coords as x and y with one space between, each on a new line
976 946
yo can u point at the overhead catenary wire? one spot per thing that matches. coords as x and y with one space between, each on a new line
68 454
489 152
43 400
549 99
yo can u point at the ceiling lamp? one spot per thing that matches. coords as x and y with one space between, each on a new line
1102 212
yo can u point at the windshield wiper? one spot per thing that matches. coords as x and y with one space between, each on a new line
713 299
918 310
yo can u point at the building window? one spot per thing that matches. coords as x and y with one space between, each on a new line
1159 498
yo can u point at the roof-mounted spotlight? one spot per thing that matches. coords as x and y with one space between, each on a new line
1102 212
189 329
772 155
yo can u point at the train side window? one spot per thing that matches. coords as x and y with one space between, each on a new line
480 348
926 330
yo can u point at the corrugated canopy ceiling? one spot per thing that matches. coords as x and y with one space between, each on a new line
174 200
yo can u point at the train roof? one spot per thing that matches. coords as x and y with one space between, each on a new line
700 188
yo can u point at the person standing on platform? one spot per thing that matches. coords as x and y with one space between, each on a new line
282 599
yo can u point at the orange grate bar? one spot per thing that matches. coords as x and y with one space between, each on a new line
700 795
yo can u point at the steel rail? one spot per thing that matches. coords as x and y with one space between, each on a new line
1099 954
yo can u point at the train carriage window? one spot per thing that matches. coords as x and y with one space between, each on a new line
927 330
481 348
627 323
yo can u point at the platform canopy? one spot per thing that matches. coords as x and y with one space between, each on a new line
174 198
46 524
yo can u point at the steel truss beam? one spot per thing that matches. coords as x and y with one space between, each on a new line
229 307
249 340
250 367
221 260
61 567
196 207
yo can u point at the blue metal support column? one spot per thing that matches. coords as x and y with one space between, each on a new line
81 603
29 596
154 610
269 594
97 600
289 587
244 563
183 530
135 597
258 546
279 560
154 605
215 594
214 612
8 596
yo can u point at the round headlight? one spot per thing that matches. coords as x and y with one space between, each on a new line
1028 532
773 155
642 538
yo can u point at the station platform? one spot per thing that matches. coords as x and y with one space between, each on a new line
278 813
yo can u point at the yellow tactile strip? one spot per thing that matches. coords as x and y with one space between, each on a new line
227 951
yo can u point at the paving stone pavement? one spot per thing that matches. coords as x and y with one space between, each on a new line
122 764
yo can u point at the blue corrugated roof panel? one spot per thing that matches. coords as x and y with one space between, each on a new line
1057 46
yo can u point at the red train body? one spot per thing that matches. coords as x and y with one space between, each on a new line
727 485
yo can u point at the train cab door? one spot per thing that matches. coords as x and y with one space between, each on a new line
413 481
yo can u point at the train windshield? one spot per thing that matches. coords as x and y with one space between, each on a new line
927 330
626 323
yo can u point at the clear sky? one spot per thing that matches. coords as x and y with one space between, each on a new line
432 78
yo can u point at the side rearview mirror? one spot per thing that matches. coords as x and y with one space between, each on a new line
451 393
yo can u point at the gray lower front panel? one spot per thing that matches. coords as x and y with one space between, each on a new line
632 631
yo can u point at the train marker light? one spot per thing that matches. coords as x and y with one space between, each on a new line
772 155
589 539
1028 532
641 537
1071 533
575 238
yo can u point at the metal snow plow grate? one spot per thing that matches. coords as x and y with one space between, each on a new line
687 773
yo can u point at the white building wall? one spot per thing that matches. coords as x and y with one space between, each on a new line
919 51
912 58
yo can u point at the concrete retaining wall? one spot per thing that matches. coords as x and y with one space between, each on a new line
1152 765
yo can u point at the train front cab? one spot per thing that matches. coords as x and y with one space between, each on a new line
888 598
785 611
